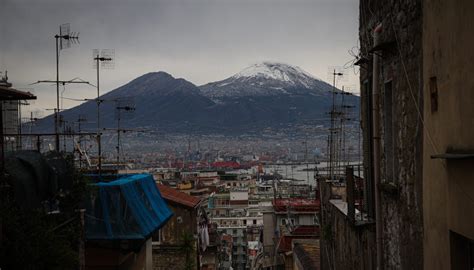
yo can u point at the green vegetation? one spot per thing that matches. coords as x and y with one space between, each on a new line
187 247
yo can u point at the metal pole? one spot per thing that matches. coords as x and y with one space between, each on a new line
331 139
56 115
376 153
118 136
2 145
98 120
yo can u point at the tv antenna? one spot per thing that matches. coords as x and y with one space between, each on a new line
336 74
125 109
104 58
63 41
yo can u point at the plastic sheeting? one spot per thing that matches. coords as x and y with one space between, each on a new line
130 207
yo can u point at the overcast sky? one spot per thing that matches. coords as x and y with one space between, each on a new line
199 40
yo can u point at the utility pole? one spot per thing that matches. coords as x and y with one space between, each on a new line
120 108
99 59
332 129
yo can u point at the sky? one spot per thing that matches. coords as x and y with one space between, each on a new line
198 40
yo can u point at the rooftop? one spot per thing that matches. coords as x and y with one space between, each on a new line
307 254
178 197
7 93
296 204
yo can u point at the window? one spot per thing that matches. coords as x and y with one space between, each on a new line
157 238
434 94
254 222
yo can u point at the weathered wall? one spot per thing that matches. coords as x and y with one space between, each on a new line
401 164
354 243
183 220
448 187
167 253
167 257
344 245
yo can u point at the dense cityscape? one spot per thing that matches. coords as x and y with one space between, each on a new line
270 167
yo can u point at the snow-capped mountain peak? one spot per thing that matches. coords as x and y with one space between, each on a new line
266 79
276 71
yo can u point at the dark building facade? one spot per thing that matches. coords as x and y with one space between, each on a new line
168 249
416 119
391 85
391 118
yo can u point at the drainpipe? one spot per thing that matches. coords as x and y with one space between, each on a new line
376 148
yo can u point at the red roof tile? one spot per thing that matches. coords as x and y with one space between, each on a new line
225 164
296 204
179 197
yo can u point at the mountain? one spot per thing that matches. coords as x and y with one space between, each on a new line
267 79
273 94
160 101
263 95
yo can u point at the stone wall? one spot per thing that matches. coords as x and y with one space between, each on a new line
167 257
401 97
344 245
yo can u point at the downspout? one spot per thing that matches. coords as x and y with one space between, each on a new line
376 146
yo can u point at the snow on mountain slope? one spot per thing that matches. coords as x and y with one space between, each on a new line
267 79
275 71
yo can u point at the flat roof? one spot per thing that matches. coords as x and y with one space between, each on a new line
8 93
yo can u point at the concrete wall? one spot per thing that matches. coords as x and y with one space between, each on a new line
401 136
167 257
239 196
344 245
269 228
448 187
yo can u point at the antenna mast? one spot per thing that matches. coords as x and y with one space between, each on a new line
106 59
63 41
128 107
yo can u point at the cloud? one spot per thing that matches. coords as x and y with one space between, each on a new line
200 41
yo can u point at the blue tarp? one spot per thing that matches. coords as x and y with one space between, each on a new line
130 207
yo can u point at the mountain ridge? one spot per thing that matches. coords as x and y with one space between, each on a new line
260 96
266 79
